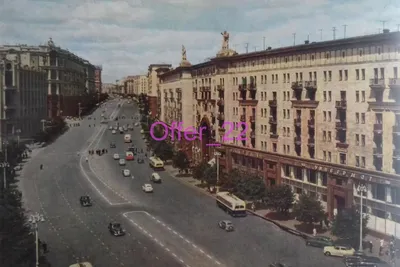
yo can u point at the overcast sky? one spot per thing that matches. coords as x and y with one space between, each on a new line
126 36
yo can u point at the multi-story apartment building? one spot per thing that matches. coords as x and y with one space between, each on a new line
23 85
130 82
97 78
321 117
108 88
70 78
153 92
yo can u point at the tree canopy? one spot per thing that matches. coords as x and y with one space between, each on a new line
181 161
346 225
279 198
308 209
210 176
198 170
245 186
163 150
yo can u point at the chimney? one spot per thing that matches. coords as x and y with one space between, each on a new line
386 30
306 42
269 48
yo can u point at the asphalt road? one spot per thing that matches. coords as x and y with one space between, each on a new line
183 222
71 231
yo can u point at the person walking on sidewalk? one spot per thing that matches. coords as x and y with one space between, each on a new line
314 232
381 244
253 207
370 246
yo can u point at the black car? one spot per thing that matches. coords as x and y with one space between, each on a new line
319 241
116 229
112 145
85 201
354 260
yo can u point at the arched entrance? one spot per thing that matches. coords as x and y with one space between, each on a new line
205 130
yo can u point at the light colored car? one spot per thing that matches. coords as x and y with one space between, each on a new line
155 178
110 128
148 188
122 162
116 156
126 173
338 251
114 132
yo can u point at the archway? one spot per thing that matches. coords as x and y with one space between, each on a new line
205 130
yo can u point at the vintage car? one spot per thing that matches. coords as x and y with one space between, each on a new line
319 241
112 145
339 251
226 225
85 201
116 229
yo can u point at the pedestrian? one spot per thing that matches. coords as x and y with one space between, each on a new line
106 151
381 244
44 246
314 232
370 246
253 207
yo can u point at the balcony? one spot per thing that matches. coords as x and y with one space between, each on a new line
342 104
273 103
243 118
380 106
297 86
341 125
297 140
248 102
273 120
202 88
221 117
304 103
311 123
273 136
394 83
378 127
194 89
220 103
310 85
311 142
207 88
377 151
252 135
297 122
342 145
220 88
253 119
242 87
377 84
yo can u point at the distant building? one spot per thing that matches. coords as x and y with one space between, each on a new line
153 92
97 78
108 88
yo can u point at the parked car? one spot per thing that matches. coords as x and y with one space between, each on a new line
226 225
339 251
148 188
319 241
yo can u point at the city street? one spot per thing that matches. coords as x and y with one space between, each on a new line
183 221
71 231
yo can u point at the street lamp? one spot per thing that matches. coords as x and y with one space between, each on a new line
18 131
43 124
34 220
217 155
5 164
361 189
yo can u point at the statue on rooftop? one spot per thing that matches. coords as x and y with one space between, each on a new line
183 53
50 42
225 41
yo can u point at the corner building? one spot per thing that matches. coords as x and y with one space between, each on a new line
321 117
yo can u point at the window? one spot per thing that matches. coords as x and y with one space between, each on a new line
324 155
362 74
363 162
361 52
357 74
357 117
362 118
357 139
357 161
362 96
329 136
363 140
343 54
329 116
324 135
329 96
346 75
340 75
329 156
324 96
330 75
357 96
288 113
284 113
325 76
324 115
342 158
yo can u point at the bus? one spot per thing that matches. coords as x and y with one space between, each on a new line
156 163
231 204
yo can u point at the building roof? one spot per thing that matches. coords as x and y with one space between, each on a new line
174 71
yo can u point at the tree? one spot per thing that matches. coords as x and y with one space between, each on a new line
229 181
198 171
279 198
250 188
210 176
181 161
164 150
308 209
346 225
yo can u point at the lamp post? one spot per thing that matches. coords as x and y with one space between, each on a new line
217 155
34 220
18 131
361 189
5 164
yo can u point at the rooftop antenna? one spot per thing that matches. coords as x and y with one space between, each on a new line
383 24
264 39
344 30
334 33
246 45
255 48
320 33
308 37
294 38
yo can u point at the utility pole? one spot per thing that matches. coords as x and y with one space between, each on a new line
264 41
334 33
344 30
5 165
246 45
383 24
320 34
294 38
308 37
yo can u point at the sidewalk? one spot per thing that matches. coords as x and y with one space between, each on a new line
270 216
